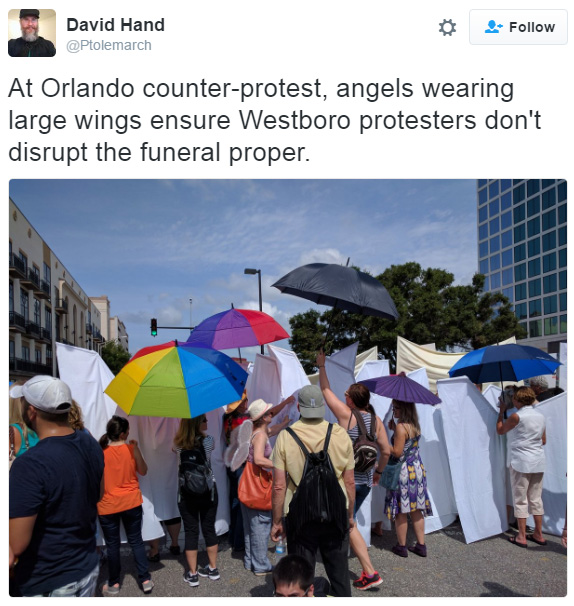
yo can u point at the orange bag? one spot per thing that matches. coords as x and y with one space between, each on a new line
255 487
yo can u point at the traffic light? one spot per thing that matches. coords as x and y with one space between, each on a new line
153 327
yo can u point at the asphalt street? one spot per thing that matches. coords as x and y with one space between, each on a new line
489 568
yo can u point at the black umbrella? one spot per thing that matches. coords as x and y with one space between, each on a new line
339 287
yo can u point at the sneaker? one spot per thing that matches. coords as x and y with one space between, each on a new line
108 589
147 586
262 573
400 550
418 549
209 572
365 581
191 579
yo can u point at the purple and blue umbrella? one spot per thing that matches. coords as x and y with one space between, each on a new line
498 363
237 328
400 387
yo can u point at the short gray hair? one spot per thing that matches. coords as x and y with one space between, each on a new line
539 382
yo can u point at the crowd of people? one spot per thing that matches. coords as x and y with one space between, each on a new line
304 491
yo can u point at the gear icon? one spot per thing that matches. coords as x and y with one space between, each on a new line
447 27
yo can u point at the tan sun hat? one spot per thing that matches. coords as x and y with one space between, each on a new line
258 408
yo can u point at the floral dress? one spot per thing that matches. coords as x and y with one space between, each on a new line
412 493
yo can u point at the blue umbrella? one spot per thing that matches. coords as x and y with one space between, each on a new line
497 363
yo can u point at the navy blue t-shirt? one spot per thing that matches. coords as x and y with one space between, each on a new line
59 481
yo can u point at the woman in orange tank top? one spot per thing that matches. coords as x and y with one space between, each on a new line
122 502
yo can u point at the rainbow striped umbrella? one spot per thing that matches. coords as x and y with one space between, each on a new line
177 380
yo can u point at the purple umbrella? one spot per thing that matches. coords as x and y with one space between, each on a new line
400 387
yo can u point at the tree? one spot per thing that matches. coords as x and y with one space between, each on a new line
115 356
431 310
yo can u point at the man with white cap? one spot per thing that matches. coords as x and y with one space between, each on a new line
30 44
289 462
54 490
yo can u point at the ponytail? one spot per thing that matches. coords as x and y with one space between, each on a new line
114 429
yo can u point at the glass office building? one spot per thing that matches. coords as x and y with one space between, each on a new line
522 251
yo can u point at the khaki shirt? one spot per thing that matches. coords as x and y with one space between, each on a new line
288 456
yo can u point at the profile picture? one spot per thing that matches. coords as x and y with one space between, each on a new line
31 32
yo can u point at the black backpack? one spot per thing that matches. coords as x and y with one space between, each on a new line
319 498
195 477
365 446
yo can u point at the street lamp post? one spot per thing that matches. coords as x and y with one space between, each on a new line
252 272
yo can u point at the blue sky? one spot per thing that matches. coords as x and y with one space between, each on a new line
150 246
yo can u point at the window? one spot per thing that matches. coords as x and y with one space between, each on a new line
535 288
25 353
486 283
562 212
532 187
494 262
518 194
520 233
494 226
520 292
520 272
548 199
534 267
506 238
563 327
494 208
507 277
549 262
38 356
536 328
550 305
495 244
12 350
549 220
533 206
520 311
495 281
24 260
547 183
47 274
11 296
482 182
493 189
535 308
563 297
483 249
562 257
37 313
549 241
484 266
519 253
519 213
24 303
48 354
549 284
562 191
506 220
482 214
562 238
534 247
506 201
551 325
48 319
508 293
507 258
533 227
483 231
505 184
562 280
482 196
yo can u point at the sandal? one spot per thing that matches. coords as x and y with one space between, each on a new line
530 537
515 542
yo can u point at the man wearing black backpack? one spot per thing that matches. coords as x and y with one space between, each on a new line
314 489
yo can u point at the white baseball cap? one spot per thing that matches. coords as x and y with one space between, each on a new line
45 393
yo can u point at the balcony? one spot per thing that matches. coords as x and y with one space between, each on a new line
61 306
42 291
17 322
98 335
33 330
17 267
88 329
29 368
46 335
32 280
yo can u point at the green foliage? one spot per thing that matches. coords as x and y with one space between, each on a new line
431 310
114 356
